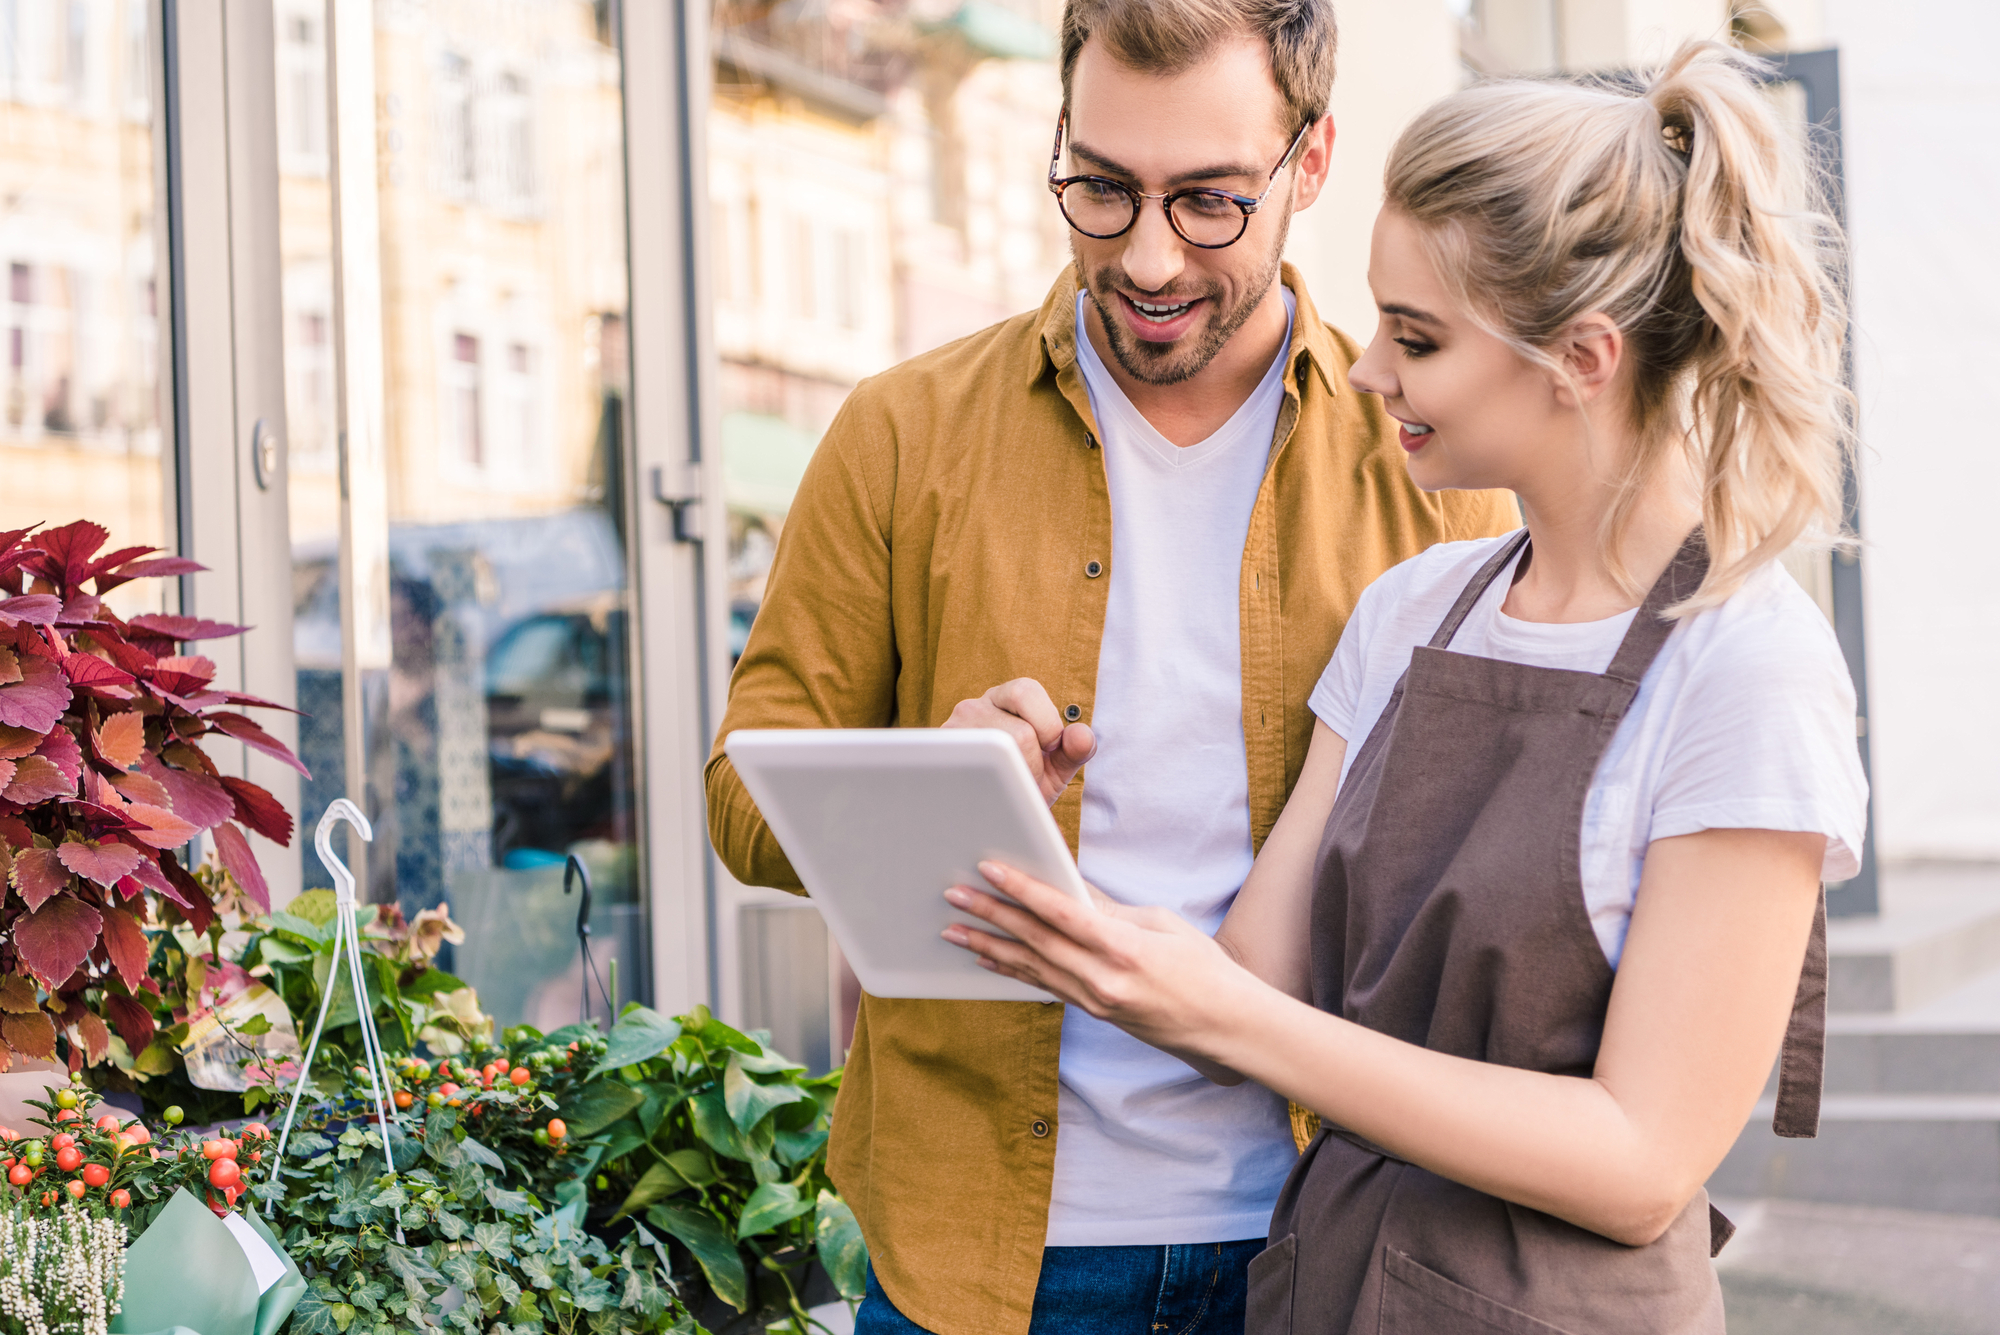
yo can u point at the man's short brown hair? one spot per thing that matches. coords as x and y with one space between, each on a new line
1169 36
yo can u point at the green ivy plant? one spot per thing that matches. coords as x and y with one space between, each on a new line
449 1242
719 1142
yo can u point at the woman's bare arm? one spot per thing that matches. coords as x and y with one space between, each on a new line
1268 928
1703 993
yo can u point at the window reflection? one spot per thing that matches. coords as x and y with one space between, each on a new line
80 352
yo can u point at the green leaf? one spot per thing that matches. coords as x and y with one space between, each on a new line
841 1249
509 1202
702 1234
747 1100
568 1034
794 1147
712 1123
291 925
643 1033
496 1240
716 1034
621 1140
772 1204
770 1062
451 1225
681 1170
315 907
430 983
479 1154
255 1025
599 1104
315 1315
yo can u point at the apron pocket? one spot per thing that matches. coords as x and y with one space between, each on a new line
1417 1300
1269 1311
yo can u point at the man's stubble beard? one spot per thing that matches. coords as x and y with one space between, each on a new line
1156 364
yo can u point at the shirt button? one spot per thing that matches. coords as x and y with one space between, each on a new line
1073 713
1039 1127
1093 570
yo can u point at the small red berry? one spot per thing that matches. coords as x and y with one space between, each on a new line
68 1157
120 1199
76 1188
519 1075
20 1175
61 1140
96 1174
224 1174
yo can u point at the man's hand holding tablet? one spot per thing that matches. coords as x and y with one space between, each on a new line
1021 708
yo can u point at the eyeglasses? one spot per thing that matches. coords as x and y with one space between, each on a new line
1102 208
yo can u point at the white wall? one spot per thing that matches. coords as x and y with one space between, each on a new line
1396 57
1921 109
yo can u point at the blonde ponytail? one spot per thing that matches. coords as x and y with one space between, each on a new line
1686 212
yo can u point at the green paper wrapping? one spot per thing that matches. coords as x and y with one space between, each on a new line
186 1276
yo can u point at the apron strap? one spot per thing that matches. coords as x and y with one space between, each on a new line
1802 1063
1649 630
1477 586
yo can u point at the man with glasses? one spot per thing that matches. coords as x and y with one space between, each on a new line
1127 529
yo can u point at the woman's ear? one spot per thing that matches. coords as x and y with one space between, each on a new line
1591 356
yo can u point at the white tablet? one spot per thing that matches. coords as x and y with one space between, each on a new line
880 822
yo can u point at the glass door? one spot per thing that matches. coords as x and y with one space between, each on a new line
478 500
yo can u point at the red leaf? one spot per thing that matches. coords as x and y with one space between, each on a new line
163 829
126 943
6 774
56 938
39 698
42 609
260 811
112 560
68 549
38 874
241 728
15 832
90 670
182 629
18 742
131 1019
18 995
194 900
127 656
147 875
158 566
255 701
121 741
31 1035
197 799
38 779
96 1038
82 609
241 863
104 863
139 788
59 748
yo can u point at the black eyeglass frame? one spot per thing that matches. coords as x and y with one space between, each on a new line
1248 204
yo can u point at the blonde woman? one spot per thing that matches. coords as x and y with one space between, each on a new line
1546 899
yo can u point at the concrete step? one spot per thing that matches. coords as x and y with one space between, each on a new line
1950 1045
1907 1151
1939 930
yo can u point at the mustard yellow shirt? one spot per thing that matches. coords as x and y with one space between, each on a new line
939 545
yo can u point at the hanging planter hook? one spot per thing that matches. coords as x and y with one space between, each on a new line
347 944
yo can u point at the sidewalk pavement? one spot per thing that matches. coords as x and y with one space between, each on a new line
1803 1268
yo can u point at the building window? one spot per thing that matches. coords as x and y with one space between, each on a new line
847 278
457 161
302 94
512 117
462 393
520 416
805 273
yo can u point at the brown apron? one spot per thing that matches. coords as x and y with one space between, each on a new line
1449 912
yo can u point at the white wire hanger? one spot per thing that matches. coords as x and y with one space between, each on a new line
347 940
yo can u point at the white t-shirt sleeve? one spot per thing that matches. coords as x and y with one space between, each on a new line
1337 698
1763 736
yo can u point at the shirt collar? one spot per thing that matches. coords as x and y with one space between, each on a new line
1312 341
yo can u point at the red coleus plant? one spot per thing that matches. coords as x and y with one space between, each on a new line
102 777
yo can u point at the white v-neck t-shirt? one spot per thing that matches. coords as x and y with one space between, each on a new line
1745 720
1148 1151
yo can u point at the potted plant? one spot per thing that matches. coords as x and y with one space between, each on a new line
102 776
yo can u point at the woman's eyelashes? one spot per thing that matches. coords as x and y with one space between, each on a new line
1417 347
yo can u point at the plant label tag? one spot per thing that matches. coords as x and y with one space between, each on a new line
265 1264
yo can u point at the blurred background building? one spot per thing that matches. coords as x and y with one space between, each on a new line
478 347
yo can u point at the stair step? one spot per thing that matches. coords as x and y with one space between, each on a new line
1949 1046
1940 931
1937 1152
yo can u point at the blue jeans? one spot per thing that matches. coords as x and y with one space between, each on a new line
1185 1289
